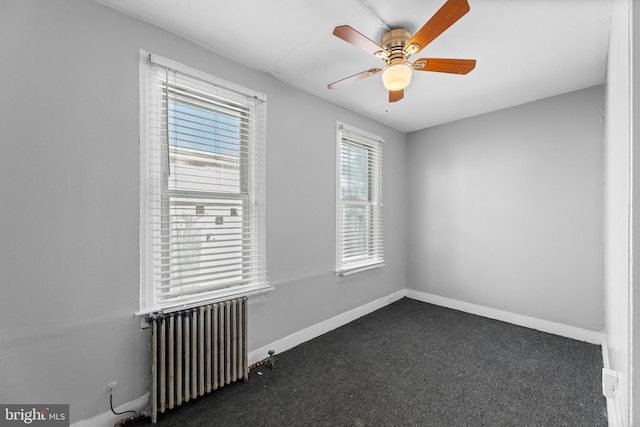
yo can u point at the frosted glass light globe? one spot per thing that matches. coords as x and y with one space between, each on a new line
397 77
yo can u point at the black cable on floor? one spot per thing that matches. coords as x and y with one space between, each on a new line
111 404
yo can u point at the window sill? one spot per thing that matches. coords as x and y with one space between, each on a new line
229 296
358 269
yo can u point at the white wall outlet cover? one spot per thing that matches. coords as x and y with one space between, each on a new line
609 382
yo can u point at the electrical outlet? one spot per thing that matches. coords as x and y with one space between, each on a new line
112 385
609 382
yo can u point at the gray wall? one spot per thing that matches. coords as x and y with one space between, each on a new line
69 213
505 210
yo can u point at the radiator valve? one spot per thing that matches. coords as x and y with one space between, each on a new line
271 360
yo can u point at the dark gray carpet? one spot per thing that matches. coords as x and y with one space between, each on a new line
415 364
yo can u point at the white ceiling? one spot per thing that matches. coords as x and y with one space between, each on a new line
526 49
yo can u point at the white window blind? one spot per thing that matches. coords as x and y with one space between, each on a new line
202 187
359 205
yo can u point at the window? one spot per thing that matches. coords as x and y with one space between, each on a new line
359 204
202 187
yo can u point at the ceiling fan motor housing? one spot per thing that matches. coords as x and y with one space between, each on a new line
394 42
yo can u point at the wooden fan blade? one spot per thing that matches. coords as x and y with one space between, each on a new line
353 78
357 39
396 95
445 17
444 65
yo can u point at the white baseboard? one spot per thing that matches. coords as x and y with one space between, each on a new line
108 419
568 331
318 329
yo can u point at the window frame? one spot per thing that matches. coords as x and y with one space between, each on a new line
372 237
250 195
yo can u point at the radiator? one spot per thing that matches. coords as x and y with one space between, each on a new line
196 351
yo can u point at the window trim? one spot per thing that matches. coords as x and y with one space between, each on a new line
376 260
148 302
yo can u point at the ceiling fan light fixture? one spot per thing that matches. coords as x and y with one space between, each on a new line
397 76
398 44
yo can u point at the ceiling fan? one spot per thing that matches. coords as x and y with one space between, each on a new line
398 44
